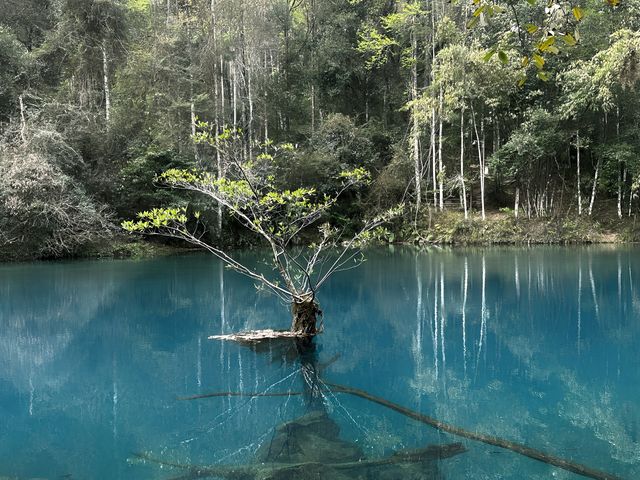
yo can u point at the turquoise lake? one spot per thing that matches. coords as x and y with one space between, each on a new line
539 346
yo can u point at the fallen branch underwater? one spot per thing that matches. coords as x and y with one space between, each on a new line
267 470
518 448
488 439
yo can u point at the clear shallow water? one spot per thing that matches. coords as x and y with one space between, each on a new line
539 346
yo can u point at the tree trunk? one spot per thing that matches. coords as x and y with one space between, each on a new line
313 109
304 317
482 189
266 101
216 104
433 157
223 113
464 189
23 121
105 71
620 166
250 121
578 172
433 110
480 162
440 166
619 190
595 186
192 105
415 128
234 103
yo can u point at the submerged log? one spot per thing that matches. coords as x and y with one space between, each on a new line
547 458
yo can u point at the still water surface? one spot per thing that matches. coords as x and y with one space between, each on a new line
539 346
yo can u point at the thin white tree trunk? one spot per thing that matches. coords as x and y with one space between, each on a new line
216 98
440 166
483 168
595 186
619 191
433 109
516 207
105 71
434 168
415 128
235 96
23 121
250 123
266 105
480 162
223 113
620 166
313 108
192 106
578 172
462 182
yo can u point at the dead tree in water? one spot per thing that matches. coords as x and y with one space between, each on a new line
278 216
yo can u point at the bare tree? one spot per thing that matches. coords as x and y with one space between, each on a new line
277 216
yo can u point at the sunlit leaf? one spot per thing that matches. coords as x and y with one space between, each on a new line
544 46
531 28
473 22
489 54
577 13
503 57
569 39
538 61
544 76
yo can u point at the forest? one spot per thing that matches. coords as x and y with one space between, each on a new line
462 112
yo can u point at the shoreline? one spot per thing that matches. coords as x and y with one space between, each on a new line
448 228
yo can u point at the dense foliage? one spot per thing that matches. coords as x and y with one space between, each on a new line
468 105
